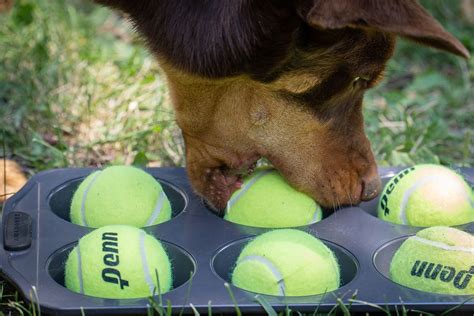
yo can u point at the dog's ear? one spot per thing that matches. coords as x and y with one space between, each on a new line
405 18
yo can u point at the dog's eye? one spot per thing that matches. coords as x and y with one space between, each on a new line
361 82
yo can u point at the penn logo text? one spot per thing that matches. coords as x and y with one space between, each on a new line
391 186
111 260
433 271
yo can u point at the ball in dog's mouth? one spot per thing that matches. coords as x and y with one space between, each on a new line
222 183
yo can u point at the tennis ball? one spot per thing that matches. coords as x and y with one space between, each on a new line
120 195
267 200
118 261
437 259
427 195
286 262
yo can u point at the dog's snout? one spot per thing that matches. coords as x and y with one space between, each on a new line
371 187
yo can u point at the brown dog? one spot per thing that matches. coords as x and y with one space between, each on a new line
279 79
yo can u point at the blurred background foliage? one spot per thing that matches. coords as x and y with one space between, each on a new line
78 88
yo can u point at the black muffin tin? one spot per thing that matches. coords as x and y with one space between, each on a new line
37 237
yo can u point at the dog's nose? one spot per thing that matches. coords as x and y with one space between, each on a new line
371 188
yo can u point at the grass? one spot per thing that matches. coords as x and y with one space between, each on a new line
77 88
71 94
424 110
12 304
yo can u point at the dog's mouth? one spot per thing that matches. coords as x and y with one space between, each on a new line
242 171
223 182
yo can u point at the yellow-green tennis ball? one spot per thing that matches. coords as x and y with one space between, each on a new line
437 259
286 262
267 200
427 195
120 195
118 261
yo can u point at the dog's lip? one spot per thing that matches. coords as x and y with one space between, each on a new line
242 171
370 189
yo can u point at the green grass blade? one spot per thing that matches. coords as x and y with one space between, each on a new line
157 307
195 311
387 312
19 307
232 297
266 306
158 288
333 310
452 309
149 311
209 308
353 297
188 294
35 301
421 312
343 307
396 310
315 313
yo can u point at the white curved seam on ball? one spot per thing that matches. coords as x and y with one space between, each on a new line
335 265
407 194
315 217
84 197
466 192
79 269
276 273
245 188
157 210
442 245
146 271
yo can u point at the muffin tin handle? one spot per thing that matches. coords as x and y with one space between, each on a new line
17 231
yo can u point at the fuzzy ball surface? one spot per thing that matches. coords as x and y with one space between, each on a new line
286 262
427 195
437 259
118 261
267 200
120 195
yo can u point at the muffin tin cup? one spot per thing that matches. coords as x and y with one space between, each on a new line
37 238
183 266
223 262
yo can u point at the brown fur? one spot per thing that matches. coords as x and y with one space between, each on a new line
6 5
282 80
11 178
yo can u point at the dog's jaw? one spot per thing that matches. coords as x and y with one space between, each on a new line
216 172
218 154
221 183
317 157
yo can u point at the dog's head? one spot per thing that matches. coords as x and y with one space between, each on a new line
279 79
